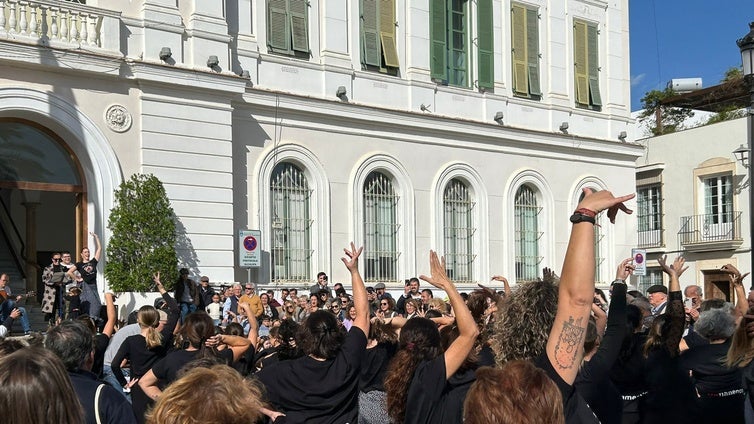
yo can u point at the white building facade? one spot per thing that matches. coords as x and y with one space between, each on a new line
404 125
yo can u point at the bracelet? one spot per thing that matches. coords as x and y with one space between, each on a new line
618 281
588 212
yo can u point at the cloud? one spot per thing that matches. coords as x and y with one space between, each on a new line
636 80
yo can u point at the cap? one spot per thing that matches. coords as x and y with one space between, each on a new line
370 289
379 286
184 271
204 278
159 303
657 288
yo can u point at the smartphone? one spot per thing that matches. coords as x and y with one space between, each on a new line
688 303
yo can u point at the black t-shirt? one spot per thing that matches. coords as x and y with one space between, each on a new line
708 371
375 366
88 271
101 342
575 408
312 391
434 399
166 369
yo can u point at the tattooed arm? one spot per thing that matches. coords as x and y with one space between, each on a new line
565 345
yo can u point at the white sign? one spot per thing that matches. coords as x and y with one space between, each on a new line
249 248
640 261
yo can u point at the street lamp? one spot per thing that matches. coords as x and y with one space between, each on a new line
746 45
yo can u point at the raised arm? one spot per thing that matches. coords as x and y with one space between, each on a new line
506 285
467 328
111 315
360 301
253 324
98 251
174 311
675 303
565 345
237 344
742 305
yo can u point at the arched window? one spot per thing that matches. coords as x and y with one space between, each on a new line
526 224
380 228
291 224
458 231
598 237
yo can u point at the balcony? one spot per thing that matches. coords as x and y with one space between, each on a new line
60 24
701 233
651 239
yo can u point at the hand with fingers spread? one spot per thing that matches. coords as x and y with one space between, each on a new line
625 269
599 201
438 276
734 274
352 259
677 269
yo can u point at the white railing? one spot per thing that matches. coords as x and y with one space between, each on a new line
59 23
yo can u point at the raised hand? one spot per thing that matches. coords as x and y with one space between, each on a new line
625 269
439 277
599 201
734 274
673 270
352 259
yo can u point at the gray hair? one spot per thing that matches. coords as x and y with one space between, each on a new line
695 288
715 324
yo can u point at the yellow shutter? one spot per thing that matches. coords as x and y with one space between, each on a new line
387 33
520 66
581 64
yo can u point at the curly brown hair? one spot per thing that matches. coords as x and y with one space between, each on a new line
419 341
524 322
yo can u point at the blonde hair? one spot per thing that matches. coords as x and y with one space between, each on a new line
234 400
149 317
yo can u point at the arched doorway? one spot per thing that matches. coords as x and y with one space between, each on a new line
42 200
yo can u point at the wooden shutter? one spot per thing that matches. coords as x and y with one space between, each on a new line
278 38
370 40
581 67
486 44
594 65
299 25
532 51
520 71
438 33
387 33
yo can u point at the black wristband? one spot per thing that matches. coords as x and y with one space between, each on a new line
580 217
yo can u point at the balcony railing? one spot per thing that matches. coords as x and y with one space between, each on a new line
711 231
651 238
59 24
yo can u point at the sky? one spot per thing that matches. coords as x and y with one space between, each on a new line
684 39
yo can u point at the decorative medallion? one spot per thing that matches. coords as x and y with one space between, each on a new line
118 118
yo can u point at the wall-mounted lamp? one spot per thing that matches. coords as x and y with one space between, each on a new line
165 53
742 155
564 127
213 61
425 108
341 93
498 118
622 136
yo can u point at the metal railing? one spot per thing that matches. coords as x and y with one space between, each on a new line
708 228
651 238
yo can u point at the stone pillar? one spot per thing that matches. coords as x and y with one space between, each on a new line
32 268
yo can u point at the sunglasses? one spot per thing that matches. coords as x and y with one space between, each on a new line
55 259
249 288
383 303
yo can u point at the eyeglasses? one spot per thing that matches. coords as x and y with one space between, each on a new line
55 259
334 307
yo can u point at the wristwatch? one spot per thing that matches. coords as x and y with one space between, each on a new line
583 215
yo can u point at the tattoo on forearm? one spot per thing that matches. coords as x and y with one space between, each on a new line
570 338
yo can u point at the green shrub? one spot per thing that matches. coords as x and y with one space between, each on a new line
143 236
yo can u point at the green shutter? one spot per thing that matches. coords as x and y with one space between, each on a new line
387 33
438 33
486 43
518 27
594 65
299 25
370 40
277 26
581 67
532 51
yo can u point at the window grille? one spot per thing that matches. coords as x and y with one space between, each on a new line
290 224
458 231
380 228
526 223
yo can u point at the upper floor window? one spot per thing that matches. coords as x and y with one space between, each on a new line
450 39
288 27
649 205
380 228
652 277
718 199
291 224
458 231
378 38
586 64
525 43
526 224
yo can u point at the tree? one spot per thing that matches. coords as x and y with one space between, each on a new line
671 118
733 74
143 236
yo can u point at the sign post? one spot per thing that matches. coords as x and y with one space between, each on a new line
640 261
249 251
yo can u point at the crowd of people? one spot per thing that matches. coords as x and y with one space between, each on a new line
547 351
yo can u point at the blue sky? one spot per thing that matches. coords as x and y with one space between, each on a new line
684 39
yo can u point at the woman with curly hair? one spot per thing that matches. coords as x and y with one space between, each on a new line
323 385
418 375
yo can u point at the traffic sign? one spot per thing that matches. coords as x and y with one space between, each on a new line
249 249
